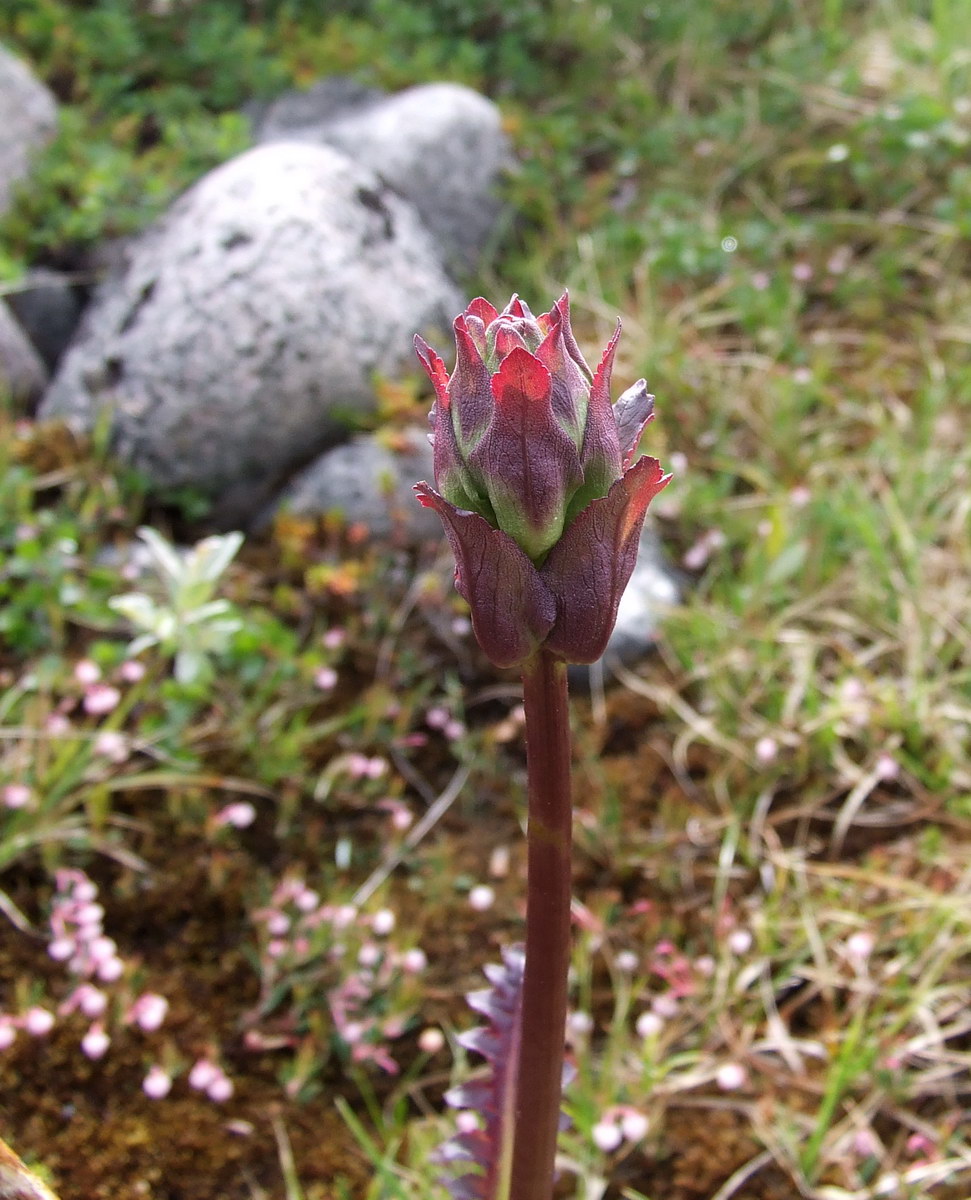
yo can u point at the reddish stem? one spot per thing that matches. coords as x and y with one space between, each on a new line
539 1076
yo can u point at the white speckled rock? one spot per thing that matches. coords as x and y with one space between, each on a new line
246 331
28 121
439 145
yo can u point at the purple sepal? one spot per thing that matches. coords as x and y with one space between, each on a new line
589 567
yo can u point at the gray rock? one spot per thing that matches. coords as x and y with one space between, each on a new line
298 116
653 587
370 480
23 376
440 145
48 309
28 121
245 333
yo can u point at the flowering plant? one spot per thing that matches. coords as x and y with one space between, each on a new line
543 506
537 492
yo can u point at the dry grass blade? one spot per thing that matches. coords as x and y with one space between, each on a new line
17 1182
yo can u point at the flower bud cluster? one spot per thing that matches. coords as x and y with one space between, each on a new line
534 482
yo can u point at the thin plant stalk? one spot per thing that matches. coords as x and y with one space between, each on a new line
549 836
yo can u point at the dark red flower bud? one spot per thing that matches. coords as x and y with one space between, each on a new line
539 501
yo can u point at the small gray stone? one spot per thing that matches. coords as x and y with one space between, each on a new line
298 116
48 309
653 587
371 482
23 376
28 121
246 331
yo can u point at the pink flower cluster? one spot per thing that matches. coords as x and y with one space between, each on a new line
342 956
78 940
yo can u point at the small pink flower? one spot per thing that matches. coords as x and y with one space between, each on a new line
740 941
859 946
90 913
239 814
357 765
112 745
453 730
8 1032
306 899
634 1125
369 955
802 272
766 749
414 961
402 817
431 1040
110 969
131 671
95 1042
103 948
607 1136
61 948
84 889
437 718
203 1073
333 639
649 1024
149 1011
101 698
482 897
383 922
731 1076
325 678
220 1089
579 1024
920 1143
352 1032
278 924
86 672
16 795
157 1083
344 915
37 1021
866 1144
89 999
886 767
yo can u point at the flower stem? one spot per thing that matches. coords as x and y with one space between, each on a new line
539 1076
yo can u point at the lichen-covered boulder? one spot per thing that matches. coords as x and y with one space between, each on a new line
246 331
28 120
440 145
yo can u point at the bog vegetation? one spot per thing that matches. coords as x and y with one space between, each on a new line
251 863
